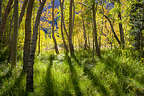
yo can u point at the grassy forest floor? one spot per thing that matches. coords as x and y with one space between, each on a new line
117 73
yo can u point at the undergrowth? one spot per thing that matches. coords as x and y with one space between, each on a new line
116 73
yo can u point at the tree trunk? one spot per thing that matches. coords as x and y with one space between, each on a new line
116 37
73 14
71 27
28 67
0 12
15 35
84 34
22 11
65 28
110 35
62 20
0 24
4 20
54 39
35 31
95 29
121 27
34 40
10 41
39 42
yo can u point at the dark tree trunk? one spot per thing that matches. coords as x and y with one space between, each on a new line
4 20
121 32
116 37
95 29
39 47
34 39
28 67
110 35
0 12
71 27
0 24
121 27
53 31
65 28
23 11
10 41
15 35
84 33
62 20
35 31
73 14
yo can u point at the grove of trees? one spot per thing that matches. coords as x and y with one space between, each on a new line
91 37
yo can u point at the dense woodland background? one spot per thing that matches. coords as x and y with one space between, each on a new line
71 47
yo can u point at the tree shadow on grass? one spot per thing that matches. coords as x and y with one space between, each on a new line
95 80
74 77
66 91
75 58
111 65
122 71
49 87
17 89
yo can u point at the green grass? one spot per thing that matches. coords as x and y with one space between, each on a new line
117 73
